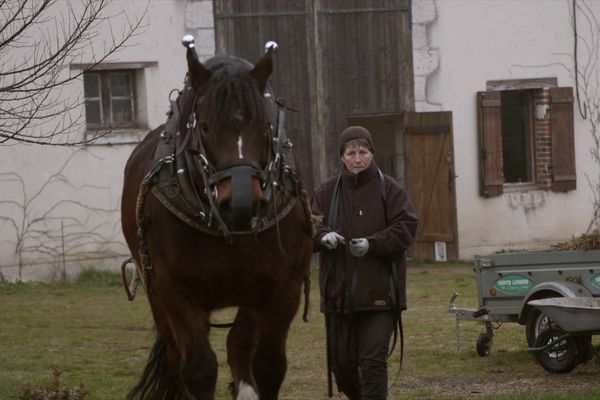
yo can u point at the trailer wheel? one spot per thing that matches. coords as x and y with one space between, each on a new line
536 323
484 344
559 358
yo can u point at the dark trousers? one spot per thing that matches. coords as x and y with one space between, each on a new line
360 344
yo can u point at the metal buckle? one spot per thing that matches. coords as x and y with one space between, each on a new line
191 124
203 161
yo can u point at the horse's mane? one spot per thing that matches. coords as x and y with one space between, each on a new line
230 91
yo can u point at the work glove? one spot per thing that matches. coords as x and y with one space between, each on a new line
359 247
331 240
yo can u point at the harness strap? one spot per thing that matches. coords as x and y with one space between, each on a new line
332 222
329 349
395 297
333 208
171 127
329 329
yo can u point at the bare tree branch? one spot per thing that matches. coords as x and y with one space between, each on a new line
60 230
39 41
586 66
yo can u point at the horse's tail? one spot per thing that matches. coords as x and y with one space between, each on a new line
156 382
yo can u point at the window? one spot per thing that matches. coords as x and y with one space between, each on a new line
526 138
110 99
517 135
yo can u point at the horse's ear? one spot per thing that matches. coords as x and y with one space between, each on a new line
197 73
264 67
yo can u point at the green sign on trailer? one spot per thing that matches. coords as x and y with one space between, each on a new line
513 284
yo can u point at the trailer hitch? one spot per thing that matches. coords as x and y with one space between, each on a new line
452 309
484 341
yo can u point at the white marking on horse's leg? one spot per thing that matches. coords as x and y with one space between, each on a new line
246 392
240 143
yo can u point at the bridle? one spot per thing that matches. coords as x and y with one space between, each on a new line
278 179
170 179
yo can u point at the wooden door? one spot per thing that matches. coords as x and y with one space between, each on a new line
243 27
364 61
430 180
336 58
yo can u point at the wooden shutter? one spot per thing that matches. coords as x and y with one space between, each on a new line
490 143
564 177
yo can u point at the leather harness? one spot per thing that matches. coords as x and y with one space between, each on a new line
180 156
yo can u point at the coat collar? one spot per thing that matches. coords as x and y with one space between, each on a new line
362 177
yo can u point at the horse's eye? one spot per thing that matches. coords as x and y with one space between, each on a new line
203 128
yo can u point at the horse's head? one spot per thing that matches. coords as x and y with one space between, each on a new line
232 127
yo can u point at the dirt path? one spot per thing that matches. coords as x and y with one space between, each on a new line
502 382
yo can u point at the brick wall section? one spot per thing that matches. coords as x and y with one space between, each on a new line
543 141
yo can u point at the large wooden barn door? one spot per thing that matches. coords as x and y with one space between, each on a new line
336 58
364 60
243 28
430 179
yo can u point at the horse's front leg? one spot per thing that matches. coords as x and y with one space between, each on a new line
196 363
241 342
270 362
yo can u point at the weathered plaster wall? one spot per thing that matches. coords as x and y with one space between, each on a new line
459 46
159 44
425 58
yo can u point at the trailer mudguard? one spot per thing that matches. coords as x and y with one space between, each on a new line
549 289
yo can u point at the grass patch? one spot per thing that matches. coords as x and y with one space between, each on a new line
95 277
97 339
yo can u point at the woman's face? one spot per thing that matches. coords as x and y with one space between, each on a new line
356 158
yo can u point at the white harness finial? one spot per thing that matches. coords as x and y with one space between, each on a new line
188 41
271 44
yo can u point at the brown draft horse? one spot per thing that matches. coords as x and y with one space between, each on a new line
241 237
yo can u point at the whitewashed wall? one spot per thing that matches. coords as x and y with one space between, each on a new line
459 46
159 44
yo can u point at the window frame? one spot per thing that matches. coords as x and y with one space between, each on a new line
107 118
124 135
551 132
531 179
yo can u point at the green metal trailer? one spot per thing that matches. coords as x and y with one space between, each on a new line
506 282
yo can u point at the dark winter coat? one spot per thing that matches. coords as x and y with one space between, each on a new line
350 283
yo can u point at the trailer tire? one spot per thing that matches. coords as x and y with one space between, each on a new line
536 323
484 344
562 356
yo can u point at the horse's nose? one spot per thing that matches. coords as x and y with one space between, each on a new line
260 204
240 199
241 219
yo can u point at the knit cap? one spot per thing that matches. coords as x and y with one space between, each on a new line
355 132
